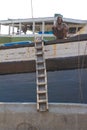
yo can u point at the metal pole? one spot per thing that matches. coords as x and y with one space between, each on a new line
31 8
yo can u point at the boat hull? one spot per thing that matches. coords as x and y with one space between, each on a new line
59 55
51 65
64 86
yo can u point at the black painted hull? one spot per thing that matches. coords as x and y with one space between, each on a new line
51 65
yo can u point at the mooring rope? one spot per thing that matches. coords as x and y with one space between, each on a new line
79 76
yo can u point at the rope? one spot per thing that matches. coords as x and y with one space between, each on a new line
79 76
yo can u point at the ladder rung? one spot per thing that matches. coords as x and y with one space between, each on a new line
38 47
41 92
41 83
40 61
41 75
40 68
39 53
42 101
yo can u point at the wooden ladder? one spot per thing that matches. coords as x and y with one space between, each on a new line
41 77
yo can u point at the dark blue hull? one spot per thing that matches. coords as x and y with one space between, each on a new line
68 86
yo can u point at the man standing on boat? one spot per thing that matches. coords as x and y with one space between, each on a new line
60 29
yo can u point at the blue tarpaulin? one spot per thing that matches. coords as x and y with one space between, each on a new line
17 43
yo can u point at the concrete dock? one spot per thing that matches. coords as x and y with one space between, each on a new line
24 116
